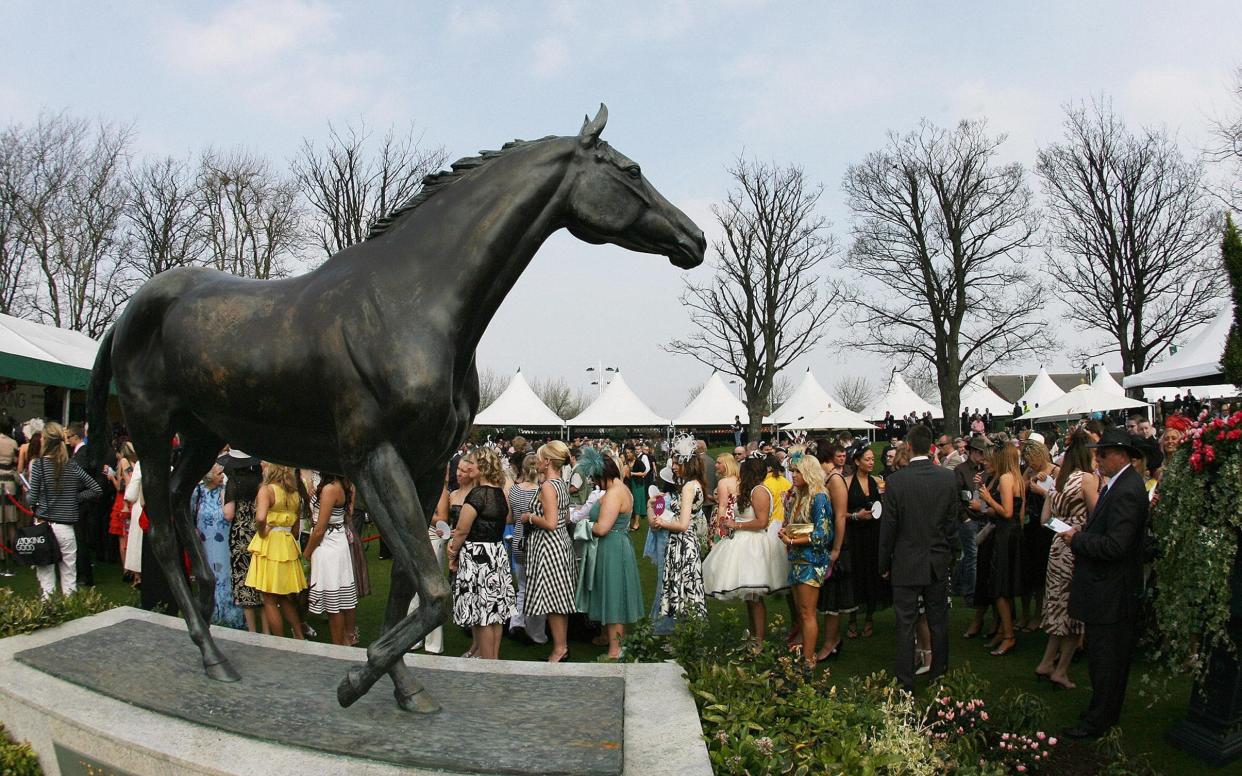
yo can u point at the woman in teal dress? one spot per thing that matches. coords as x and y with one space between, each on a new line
608 587
808 534
207 505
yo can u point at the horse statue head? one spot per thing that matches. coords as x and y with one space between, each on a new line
611 201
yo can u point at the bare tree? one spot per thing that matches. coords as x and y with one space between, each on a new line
1228 149
14 253
560 398
855 392
940 232
66 188
491 385
766 305
692 392
251 221
349 184
166 222
1133 233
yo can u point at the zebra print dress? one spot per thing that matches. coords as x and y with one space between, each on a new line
1069 504
551 572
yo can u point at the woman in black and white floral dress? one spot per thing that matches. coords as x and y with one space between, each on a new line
682 592
483 597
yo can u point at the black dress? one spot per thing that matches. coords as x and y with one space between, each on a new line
1006 552
483 587
870 589
1036 542
836 594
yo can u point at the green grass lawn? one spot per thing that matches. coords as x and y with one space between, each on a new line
1143 725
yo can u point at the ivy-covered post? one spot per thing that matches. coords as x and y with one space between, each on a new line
1198 606
1231 254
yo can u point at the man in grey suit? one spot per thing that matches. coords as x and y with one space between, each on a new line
917 525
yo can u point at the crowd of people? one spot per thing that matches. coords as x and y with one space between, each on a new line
1036 530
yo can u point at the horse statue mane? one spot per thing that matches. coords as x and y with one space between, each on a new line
438 181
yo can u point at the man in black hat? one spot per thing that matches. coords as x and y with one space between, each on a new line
964 574
1108 578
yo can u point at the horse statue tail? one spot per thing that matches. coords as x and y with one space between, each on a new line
97 399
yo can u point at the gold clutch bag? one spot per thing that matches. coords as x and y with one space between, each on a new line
799 529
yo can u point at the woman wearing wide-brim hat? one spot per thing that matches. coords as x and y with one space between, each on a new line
241 491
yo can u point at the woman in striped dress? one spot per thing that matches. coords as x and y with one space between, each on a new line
522 495
551 578
1072 499
333 590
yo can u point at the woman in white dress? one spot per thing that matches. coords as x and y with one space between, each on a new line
750 563
133 543
333 590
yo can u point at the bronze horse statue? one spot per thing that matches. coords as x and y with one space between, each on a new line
365 366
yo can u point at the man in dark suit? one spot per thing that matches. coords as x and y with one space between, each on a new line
1108 578
920 515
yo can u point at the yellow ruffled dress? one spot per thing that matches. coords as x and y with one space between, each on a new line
276 560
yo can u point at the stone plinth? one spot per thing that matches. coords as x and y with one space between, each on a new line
123 691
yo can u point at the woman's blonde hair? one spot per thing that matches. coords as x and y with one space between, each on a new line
128 452
901 458
555 451
1005 458
489 465
814 482
730 464
530 468
54 448
284 476
1036 454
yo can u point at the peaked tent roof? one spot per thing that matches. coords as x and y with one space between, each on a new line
1196 364
38 353
807 401
833 417
977 395
518 405
715 405
1105 381
618 405
1083 400
900 399
1041 391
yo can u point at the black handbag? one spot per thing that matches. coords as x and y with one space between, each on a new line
36 545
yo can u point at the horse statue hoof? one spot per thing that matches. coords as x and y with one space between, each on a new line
419 702
351 687
222 671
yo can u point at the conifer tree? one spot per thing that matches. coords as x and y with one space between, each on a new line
1231 256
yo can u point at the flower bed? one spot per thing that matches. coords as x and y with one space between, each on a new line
763 713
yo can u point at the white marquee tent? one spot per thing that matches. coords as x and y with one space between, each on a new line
618 405
1105 381
806 401
1198 363
715 405
518 405
1083 400
900 399
832 417
1042 391
977 396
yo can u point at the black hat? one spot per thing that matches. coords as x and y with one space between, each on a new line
1153 456
1117 437
236 459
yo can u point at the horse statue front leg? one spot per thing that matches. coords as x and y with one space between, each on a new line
392 499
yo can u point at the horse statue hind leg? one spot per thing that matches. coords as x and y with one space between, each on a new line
151 422
393 501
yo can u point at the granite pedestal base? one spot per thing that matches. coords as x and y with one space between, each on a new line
123 691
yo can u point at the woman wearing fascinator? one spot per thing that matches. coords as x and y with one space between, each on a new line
609 591
750 563
681 584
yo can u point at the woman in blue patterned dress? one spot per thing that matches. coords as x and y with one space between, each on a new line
808 533
207 504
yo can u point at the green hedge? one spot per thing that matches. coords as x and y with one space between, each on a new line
20 614
17 759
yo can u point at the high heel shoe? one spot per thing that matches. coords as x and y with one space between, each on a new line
924 661
971 632
832 654
1061 685
563 659
1002 650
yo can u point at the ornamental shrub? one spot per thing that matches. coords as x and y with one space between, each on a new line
17 759
19 614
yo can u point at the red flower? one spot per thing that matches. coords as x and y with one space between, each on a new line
1196 462
1209 453
1234 435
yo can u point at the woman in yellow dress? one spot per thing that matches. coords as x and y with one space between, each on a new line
276 560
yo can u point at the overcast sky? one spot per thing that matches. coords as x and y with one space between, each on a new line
689 85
